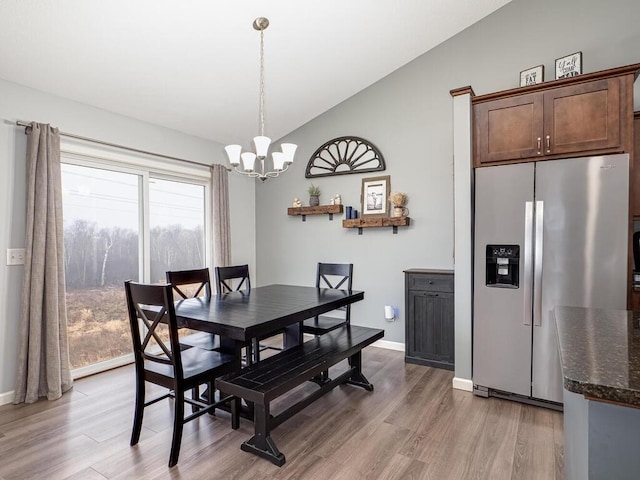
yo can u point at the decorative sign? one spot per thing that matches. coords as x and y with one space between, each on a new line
569 66
344 155
532 76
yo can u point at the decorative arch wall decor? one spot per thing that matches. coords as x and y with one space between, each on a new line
344 155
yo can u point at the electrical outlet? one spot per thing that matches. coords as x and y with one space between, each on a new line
15 256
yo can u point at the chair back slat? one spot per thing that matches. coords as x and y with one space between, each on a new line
338 276
225 276
151 307
334 275
199 277
152 331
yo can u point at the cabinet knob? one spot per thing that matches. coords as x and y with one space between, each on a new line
548 143
430 282
539 146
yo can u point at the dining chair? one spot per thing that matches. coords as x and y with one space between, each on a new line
234 279
191 284
163 362
331 275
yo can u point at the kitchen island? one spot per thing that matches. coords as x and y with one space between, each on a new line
600 357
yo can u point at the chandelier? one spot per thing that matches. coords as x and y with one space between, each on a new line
281 160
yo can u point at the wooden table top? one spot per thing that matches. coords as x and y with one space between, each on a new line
245 315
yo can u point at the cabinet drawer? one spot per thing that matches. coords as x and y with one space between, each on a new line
434 283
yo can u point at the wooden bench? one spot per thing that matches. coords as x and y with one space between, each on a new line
268 379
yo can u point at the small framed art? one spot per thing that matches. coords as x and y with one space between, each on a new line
569 66
375 196
532 76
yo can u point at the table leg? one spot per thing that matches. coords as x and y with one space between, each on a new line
234 347
292 336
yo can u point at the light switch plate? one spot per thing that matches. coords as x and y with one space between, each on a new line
15 256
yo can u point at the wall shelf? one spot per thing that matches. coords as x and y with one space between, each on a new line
319 210
361 223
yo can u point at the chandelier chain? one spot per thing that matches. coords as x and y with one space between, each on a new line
262 82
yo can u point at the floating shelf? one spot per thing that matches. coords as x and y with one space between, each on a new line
319 210
361 223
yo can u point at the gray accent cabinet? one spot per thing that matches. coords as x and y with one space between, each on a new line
429 326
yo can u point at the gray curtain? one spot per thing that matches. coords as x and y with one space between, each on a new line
221 216
43 361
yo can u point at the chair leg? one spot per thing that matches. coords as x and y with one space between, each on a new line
235 413
211 397
178 423
139 410
256 350
249 353
195 395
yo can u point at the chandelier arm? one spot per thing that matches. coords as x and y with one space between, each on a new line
276 172
248 174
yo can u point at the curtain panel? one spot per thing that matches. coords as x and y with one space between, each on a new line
221 216
43 359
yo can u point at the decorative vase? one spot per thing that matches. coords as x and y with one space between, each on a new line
399 211
314 200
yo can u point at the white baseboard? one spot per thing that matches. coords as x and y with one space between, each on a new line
463 384
389 345
6 397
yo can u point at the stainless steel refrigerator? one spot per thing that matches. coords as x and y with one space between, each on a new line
546 234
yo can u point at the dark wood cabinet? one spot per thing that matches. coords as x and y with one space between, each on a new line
582 118
585 115
634 189
635 168
509 128
429 338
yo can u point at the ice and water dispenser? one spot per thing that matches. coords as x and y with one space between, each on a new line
503 266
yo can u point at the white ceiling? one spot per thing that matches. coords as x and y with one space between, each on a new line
193 65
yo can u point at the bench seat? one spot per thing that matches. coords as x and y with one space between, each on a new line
268 379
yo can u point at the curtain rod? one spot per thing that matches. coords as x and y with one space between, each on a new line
27 125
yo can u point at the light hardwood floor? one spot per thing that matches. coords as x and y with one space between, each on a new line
412 426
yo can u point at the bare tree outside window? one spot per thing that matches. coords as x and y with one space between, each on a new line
102 238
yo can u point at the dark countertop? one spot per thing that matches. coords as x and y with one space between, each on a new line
600 353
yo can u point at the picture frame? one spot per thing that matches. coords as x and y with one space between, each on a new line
374 196
569 66
532 76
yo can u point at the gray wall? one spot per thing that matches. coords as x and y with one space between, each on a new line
20 103
408 116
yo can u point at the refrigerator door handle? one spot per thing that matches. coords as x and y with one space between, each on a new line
527 282
537 276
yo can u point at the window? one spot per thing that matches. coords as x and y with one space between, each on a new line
123 222
176 213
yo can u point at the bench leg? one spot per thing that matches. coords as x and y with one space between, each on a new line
261 443
322 378
357 378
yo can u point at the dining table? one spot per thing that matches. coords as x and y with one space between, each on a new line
238 317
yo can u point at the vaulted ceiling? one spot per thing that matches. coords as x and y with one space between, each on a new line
193 65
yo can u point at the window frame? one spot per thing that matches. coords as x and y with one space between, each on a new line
147 168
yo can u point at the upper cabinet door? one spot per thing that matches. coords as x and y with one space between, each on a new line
509 128
582 117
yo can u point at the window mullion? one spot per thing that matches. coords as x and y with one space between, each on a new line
145 240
